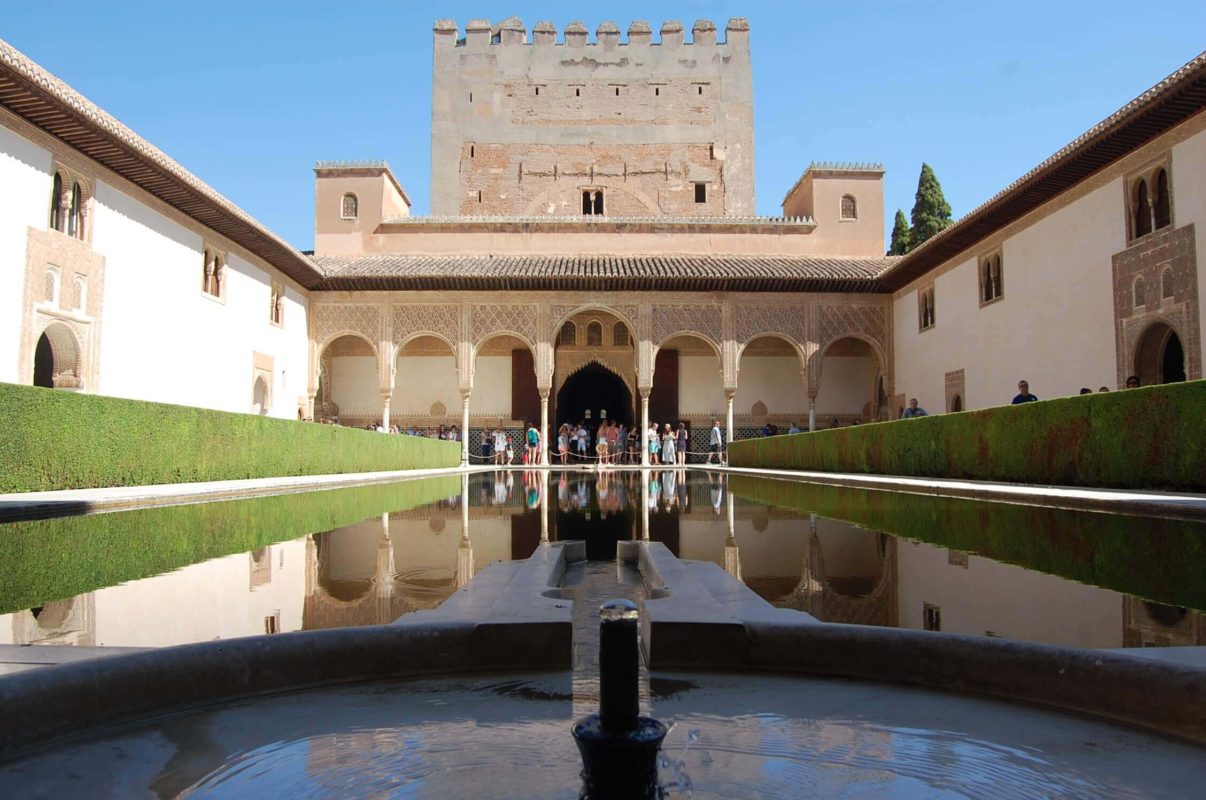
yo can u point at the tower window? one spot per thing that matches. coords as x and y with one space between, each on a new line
700 88
594 335
701 193
577 92
657 91
592 202
350 208
569 334
849 207
619 335
1167 291
472 150
75 212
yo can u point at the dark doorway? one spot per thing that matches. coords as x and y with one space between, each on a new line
1160 357
43 364
1173 367
590 392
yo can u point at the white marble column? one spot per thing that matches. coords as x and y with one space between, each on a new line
645 431
812 411
645 502
385 397
544 427
729 394
465 428
544 505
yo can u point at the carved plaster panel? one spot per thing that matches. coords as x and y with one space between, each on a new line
488 320
619 361
444 320
668 320
340 318
753 321
832 322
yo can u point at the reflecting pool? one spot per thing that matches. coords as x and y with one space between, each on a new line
371 554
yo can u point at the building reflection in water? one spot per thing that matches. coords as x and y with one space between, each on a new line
375 571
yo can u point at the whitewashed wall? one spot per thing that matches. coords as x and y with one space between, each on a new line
26 175
847 384
1189 203
700 387
1054 325
164 339
1008 600
774 380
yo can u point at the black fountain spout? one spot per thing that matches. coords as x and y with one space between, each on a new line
619 747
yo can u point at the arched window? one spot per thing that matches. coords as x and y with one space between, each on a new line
1140 293
594 335
1163 209
926 307
990 279
81 293
350 208
956 403
598 204
619 335
1166 284
276 308
1143 210
587 204
74 226
569 333
56 203
849 207
50 287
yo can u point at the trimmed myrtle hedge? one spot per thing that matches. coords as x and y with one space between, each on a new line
62 440
52 559
1149 438
1156 559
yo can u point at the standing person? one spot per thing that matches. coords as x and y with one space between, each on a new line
510 452
669 440
533 452
500 446
613 442
621 443
681 451
563 441
651 441
715 442
601 442
915 410
1024 395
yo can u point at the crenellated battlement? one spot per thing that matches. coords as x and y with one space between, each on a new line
481 33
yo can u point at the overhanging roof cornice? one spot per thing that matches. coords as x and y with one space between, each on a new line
48 103
1172 101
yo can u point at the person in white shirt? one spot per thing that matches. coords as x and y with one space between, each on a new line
715 444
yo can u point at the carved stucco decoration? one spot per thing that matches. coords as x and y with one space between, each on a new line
754 321
444 320
668 320
867 322
561 312
488 320
340 318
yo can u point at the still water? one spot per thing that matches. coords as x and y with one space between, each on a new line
369 555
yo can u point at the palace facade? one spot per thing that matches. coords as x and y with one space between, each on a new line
593 253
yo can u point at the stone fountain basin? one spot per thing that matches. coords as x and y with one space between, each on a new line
445 709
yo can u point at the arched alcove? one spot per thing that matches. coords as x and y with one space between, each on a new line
1159 356
58 361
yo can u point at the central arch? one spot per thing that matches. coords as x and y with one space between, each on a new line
1160 356
589 393
57 359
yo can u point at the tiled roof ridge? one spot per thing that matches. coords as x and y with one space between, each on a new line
1105 126
62 92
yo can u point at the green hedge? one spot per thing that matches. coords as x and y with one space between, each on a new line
53 439
1156 559
52 559
1150 438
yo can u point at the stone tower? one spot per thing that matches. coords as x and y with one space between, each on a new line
633 128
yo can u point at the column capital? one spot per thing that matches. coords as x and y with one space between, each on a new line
386 394
730 393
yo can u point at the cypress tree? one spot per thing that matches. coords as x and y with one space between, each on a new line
900 235
931 212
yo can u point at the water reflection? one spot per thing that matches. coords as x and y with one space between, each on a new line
809 556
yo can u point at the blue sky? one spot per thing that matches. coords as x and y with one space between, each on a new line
249 95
